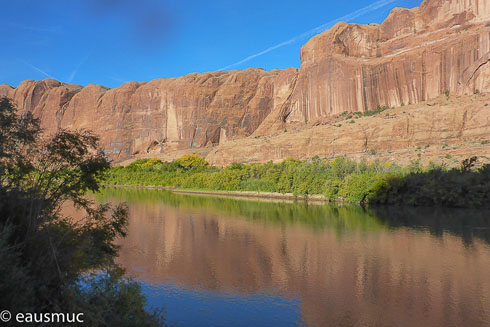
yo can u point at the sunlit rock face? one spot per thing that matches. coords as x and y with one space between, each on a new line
417 54
195 110
395 135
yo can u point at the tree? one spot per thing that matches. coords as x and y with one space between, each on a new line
48 259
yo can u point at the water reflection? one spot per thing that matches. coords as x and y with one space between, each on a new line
467 223
343 266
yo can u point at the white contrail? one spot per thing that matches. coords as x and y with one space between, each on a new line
38 69
77 68
316 30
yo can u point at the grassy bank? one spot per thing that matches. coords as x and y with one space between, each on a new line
341 178
239 194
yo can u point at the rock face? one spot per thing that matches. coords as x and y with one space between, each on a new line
192 111
442 130
415 55
441 47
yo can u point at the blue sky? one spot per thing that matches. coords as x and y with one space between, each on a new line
110 42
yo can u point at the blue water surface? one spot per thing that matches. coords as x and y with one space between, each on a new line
188 307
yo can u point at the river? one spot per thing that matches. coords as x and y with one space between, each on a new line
216 261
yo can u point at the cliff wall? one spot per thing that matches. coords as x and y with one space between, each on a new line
414 55
195 110
441 47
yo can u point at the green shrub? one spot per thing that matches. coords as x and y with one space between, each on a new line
191 161
45 255
358 187
331 188
152 162
257 185
374 182
437 187
375 111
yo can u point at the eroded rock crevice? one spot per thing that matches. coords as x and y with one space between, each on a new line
415 55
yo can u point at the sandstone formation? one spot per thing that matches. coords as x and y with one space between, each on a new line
196 110
441 130
441 47
415 55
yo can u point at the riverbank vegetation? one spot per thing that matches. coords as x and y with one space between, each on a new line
340 178
51 262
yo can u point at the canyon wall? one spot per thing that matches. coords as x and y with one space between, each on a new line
441 130
414 55
441 47
195 110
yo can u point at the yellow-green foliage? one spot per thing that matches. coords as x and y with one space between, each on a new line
314 176
192 161
358 187
152 162
373 182
332 187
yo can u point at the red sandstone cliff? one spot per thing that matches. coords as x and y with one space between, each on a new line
415 55
195 110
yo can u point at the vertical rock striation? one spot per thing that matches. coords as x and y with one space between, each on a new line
414 55
195 110
417 54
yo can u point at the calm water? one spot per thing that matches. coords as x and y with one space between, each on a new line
214 261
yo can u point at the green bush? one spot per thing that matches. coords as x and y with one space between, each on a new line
191 161
341 177
375 111
258 185
332 187
437 187
44 254
359 187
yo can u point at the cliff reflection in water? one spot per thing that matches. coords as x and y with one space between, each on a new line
347 266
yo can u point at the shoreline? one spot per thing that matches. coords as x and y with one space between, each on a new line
318 198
